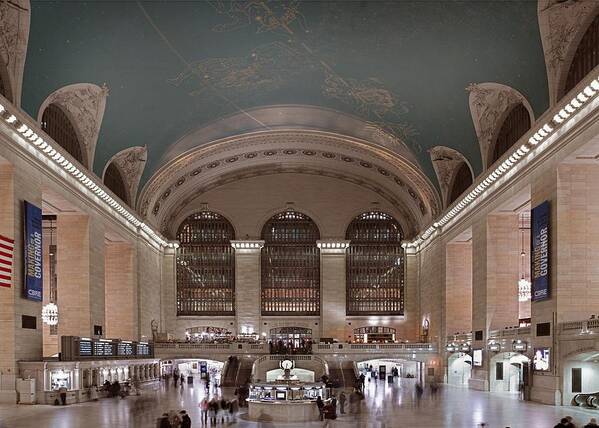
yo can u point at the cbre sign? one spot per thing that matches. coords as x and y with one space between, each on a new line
540 252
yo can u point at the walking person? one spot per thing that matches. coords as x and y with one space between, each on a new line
592 424
204 410
213 410
185 419
329 414
320 405
342 399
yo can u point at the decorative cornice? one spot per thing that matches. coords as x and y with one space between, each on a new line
530 145
31 138
247 246
332 246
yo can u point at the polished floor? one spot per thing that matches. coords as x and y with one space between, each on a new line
387 406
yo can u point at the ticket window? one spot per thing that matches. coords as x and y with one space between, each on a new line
61 378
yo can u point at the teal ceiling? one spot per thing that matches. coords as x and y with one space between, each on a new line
174 66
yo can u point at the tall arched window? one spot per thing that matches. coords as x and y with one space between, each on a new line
515 125
461 181
205 266
290 265
586 57
57 125
375 265
114 181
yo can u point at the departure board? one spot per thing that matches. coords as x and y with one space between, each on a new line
103 349
143 349
85 348
125 349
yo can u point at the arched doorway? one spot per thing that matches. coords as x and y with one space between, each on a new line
459 369
580 376
508 371
290 340
374 334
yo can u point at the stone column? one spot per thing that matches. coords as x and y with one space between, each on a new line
458 280
503 263
247 285
480 323
332 288
80 242
16 185
121 291
168 300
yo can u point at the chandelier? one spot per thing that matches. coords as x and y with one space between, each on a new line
50 314
523 283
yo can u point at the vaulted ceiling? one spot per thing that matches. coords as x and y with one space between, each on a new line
174 67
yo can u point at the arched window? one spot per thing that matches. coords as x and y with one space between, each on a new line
514 126
205 266
290 265
114 180
375 265
461 181
586 57
57 125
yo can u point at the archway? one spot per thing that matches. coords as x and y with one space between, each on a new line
507 372
459 369
580 376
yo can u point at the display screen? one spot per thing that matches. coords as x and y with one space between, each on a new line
541 360
477 357
281 395
143 349
85 348
103 349
125 349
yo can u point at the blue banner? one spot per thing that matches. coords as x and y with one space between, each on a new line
540 252
32 245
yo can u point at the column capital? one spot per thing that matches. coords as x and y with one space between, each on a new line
247 245
171 247
332 246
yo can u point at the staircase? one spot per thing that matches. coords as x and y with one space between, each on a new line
349 374
342 373
231 372
244 372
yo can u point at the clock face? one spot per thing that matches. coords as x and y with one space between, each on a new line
286 364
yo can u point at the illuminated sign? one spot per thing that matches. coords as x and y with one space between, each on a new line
541 361
477 357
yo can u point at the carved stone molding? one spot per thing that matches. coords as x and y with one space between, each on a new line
131 163
171 217
14 35
446 162
309 147
562 25
489 105
84 104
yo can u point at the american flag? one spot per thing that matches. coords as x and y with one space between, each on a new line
7 247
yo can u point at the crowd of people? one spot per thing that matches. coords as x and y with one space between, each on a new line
568 422
290 347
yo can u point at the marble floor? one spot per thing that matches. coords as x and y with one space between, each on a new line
387 406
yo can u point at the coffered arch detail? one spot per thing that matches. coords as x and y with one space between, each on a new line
307 152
